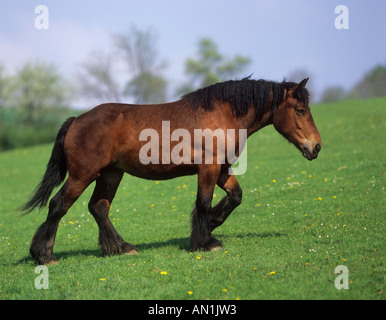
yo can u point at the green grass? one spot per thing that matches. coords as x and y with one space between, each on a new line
298 221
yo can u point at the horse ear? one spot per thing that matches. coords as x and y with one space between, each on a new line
303 83
300 85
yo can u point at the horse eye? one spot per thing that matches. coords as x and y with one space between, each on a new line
299 111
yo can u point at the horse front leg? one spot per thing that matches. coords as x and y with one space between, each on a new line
225 207
201 237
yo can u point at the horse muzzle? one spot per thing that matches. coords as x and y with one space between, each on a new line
311 153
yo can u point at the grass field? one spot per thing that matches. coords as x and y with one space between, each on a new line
298 221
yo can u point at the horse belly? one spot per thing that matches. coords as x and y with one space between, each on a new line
157 171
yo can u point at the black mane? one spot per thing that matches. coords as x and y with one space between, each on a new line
241 94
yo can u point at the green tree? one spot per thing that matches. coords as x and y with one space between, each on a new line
373 84
210 66
36 89
137 48
98 80
130 70
147 87
34 102
332 94
3 86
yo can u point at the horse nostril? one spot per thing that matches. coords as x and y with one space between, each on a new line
317 148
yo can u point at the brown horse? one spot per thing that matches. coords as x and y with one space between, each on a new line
103 143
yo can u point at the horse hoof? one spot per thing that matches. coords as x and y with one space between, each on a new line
216 248
131 252
50 263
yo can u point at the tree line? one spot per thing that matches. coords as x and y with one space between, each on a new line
372 84
37 98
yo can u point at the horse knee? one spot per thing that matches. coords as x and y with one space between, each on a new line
236 196
56 209
99 209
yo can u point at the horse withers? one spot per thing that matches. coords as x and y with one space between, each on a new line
103 143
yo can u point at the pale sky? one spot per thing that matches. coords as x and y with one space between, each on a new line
279 36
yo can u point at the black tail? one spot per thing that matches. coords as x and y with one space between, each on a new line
55 173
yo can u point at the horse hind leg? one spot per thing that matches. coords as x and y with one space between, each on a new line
42 244
110 242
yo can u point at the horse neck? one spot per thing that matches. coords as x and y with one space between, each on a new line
257 119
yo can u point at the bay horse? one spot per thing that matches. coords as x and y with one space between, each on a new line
103 143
